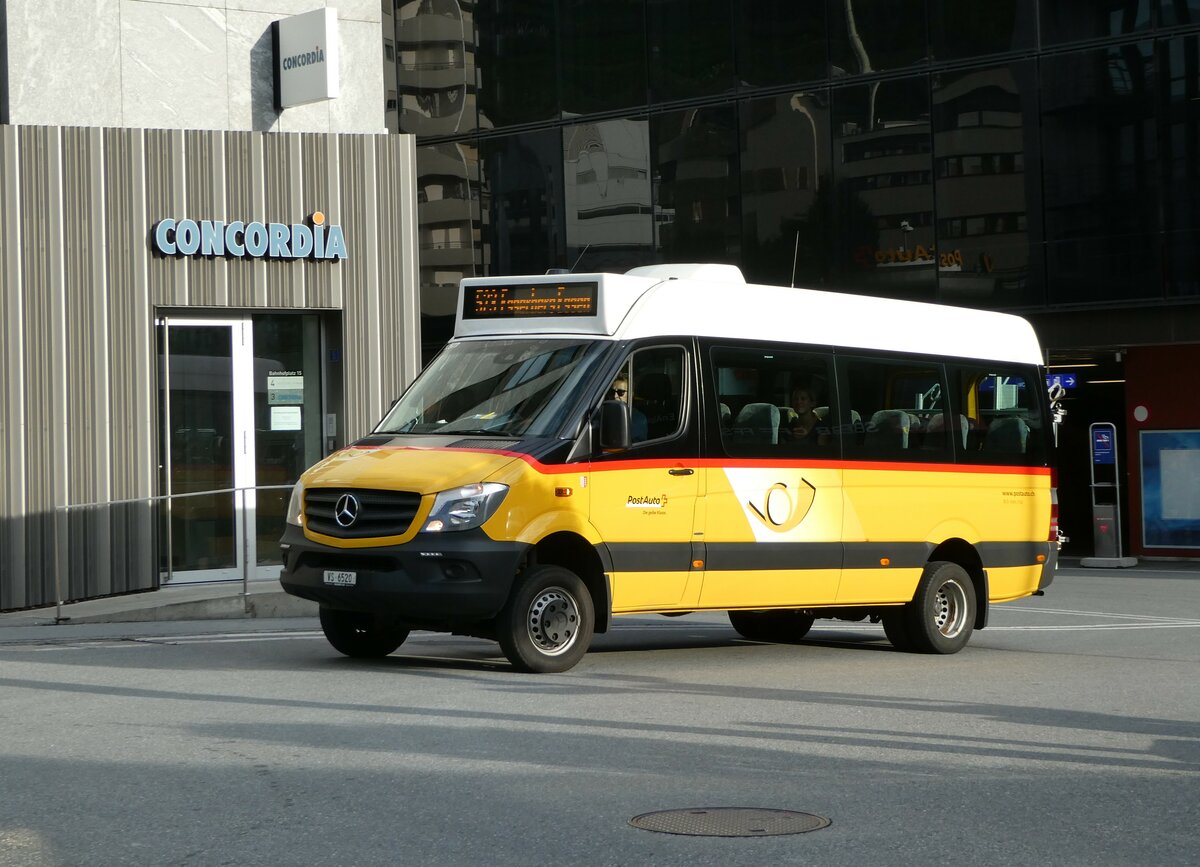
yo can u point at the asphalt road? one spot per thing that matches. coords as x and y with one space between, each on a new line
1068 732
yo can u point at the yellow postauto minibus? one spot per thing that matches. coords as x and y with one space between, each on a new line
675 440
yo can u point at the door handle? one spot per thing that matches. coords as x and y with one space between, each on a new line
681 471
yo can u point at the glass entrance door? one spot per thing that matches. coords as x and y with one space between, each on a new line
247 406
207 400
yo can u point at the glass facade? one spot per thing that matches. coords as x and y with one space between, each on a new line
1012 154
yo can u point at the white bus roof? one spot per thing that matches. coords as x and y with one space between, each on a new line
714 301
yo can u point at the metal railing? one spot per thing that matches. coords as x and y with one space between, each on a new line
62 515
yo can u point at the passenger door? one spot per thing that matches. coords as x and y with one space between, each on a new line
643 499
773 506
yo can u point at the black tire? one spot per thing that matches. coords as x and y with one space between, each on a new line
777 627
895 627
941 616
547 623
361 635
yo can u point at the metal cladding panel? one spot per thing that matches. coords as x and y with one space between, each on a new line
281 159
40 201
204 199
79 290
397 258
244 196
166 198
88 432
127 215
320 190
132 365
360 272
13 592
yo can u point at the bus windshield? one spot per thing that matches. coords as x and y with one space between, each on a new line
496 388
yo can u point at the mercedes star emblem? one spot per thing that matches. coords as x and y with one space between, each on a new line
346 510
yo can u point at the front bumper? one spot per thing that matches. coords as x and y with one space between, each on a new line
435 579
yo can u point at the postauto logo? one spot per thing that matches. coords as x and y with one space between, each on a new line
312 240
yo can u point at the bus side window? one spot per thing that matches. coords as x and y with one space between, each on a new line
768 399
899 401
656 390
1004 416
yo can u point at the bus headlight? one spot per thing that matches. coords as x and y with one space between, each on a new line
294 504
464 508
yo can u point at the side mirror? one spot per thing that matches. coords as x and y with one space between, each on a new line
614 426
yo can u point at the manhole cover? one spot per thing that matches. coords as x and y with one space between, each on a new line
729 822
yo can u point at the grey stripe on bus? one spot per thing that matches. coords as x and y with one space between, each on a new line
776 556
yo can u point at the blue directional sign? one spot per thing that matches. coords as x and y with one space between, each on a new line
1066 380
1104 444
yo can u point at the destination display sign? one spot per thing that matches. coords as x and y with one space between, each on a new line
530 299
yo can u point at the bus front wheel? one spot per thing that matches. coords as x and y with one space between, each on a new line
359 634
941 616
547 623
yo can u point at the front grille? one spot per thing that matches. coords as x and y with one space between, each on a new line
380 513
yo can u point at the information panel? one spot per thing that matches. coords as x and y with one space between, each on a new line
529 299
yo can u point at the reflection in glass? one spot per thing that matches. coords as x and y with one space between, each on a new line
697 199
496 388
786 188
780 42
606 180
1077 20
971 28
200 427
522 183
883 198
287 416
448 224
1176 12
517 62
603 55
1179 72
985 123
1101 174
876 35
435 66
691 52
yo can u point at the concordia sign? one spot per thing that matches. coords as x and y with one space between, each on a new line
254 240
306 58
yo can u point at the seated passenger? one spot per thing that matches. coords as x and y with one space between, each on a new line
803 425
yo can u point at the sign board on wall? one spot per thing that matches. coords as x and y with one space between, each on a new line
306 58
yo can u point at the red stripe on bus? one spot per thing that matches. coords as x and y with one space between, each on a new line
739 463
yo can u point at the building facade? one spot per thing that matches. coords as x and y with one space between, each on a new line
201 294
1035 156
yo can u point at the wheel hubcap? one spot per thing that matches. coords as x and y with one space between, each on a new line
553 621
950 609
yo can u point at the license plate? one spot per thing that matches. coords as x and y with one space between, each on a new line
341 579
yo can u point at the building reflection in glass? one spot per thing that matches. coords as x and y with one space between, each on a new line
985 122
522 191
785 179
697 204
606 184
883 196
449 234
435 63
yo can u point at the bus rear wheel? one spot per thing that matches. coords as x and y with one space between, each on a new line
941 615
547 623
776 627
361 635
